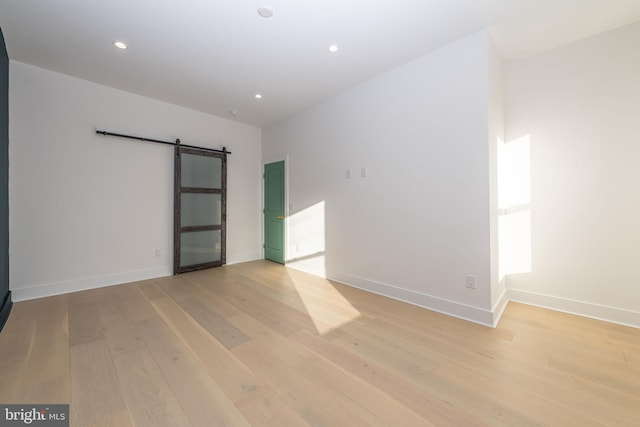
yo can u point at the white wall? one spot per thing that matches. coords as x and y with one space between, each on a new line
88 210
580 106
419 223
496 137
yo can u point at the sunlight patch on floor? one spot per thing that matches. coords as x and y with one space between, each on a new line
326 306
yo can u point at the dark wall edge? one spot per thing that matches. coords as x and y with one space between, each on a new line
5 310
5 290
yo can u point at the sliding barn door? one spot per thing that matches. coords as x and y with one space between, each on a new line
200 209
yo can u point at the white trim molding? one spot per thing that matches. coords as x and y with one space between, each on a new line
579 308
75 285
237 259
430 302
498 309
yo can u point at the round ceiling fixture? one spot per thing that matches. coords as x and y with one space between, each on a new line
333 48
265 12
258 96
120 45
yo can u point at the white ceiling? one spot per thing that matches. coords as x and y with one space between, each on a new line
214 55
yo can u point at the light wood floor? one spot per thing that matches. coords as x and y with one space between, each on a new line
259 344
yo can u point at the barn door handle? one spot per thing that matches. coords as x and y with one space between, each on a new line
281 217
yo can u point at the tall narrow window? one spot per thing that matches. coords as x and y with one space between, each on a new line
199 209
514 206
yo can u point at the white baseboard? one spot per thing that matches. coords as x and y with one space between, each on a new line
498 308
237 259
74 285
65 287
430 302
580 308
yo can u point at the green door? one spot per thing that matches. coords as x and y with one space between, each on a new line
274 211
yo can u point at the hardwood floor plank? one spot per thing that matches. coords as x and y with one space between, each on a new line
134 300
146 393
278 316
632 360
151 289
106 317
436 411
118 328
95 388
45 376
365 401
375 406
216 325
589 369
422 373
232 376
316 404
178 287
84 317
244 388
16 343
268 409
51 390
514 394
203 401
206 294
363 340
291 353
283 292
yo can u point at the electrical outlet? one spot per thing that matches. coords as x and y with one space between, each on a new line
347 174
363 172
471 282
158 252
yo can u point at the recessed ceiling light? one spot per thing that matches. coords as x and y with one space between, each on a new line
265 12
120 45
258 96
333 48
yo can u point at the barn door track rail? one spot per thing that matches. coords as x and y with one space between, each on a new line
176 143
